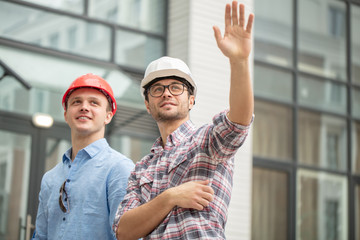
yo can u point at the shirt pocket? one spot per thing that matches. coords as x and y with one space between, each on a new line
146 187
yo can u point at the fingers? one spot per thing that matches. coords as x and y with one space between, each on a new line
242 15
208 196
227 15
204 182
196 194
234 13
233 18
204 201
205 196
250 23
217 35
206 188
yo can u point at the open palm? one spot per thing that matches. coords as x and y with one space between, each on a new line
236 42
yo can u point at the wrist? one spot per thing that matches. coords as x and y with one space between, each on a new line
237 60
239 63
168 197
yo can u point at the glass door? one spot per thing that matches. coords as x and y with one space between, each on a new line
15 155
26 153
357 209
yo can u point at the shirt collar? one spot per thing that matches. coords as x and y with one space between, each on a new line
175 138
181 133
91 150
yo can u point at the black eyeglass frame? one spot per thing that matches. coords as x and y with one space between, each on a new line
184 87
61 204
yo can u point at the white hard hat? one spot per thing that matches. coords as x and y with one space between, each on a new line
166 67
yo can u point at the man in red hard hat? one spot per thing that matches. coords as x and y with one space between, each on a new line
79 196
182 188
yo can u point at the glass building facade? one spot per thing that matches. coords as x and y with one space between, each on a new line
44 46
306 133
306 148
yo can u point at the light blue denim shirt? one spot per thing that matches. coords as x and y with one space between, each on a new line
96 184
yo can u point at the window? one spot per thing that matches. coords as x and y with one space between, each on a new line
303 113
269 205
141 15
137 50
317 134
273 32
30 24
72 37
3 198
336 22
332 219
54 40
322 95
356 147
332 150
321 211
336 94
91 33
355 102
112 15
273 84
66 5
316 42
272 131
357 211
355 43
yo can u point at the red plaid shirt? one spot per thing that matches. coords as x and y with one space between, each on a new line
190 154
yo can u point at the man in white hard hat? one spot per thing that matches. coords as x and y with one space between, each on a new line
182 189
79 196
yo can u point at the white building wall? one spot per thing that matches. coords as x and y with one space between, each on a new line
191 38
178 29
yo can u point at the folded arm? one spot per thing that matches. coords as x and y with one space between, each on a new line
141 221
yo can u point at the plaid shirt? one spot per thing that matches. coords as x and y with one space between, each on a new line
190 154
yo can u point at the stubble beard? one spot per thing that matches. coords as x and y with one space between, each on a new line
160 116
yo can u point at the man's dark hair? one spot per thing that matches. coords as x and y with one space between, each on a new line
183 80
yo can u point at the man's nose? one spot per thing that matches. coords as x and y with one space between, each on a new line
167 92
84 106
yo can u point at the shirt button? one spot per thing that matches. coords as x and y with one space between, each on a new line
68 180
64 219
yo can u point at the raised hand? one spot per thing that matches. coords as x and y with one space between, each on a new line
236 43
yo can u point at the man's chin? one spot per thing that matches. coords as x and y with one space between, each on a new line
168 117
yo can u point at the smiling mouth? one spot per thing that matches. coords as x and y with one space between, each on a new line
83 118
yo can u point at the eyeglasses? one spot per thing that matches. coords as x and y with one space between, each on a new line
175 89
62 191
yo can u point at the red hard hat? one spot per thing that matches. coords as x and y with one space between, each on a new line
91 81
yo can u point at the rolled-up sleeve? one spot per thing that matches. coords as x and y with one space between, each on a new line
130 201
223 138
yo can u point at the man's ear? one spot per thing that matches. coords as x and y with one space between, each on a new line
108 117
65 115
191 101
147 106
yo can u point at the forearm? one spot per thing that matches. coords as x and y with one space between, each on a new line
241 100
141 221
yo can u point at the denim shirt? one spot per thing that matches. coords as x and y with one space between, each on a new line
95 185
